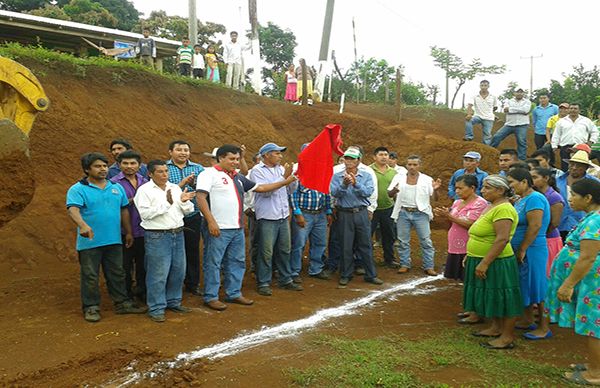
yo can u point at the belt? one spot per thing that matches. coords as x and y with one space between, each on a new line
176 230
351 209
410 209
312 211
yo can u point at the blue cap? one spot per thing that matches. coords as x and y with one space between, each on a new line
304 146
473 155
270 147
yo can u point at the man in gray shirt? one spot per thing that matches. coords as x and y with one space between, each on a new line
146 49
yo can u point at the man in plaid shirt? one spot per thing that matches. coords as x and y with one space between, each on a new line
312 215
184 172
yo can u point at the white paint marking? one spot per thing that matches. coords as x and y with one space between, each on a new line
268 334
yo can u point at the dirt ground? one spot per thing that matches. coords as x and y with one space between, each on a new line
44 339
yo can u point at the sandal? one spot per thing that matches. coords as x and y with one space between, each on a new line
463 315
578 367
478 334
466 321
532 337
487 345
577 378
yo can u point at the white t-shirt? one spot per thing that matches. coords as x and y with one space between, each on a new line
484 107
225 193
198 62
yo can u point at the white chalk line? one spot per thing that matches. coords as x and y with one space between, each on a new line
269 334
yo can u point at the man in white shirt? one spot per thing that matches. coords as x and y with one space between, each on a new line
232 56
517 120
481 111
162 206
570 130
413 192
225 188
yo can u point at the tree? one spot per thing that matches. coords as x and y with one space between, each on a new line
432 92
51 11
458 71
90 12
509 92
22 5
176 28
123 10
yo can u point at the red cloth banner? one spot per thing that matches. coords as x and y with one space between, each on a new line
315 162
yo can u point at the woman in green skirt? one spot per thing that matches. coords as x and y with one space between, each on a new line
491 269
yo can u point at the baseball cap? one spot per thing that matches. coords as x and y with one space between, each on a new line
212 154
564 105
581 147
472 155
519 90
352 152
270 147
393 155
304 146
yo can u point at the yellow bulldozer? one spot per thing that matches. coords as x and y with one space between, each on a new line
21 99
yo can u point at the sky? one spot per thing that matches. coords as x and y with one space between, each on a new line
402 32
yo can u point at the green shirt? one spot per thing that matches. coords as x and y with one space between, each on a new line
482 233
383 182
596 146
185 54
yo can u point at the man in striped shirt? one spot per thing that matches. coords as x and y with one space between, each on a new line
312 215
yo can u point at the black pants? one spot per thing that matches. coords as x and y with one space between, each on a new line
191 233
198 73
386 226
185 69
354 233
565 154
539 141
253 240
133 262
564 234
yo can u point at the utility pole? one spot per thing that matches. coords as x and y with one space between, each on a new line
330 78
324 51
304 84
399 102
192 22
255 44
355 60
531 58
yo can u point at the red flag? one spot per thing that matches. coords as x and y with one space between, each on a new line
315 162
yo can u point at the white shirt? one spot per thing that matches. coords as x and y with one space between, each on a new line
401 169
424 191
225 194
198 61
156 212
363 167
232 52
484 107
249 195
408 196
518 112
569 132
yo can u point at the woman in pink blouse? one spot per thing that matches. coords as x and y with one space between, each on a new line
461 215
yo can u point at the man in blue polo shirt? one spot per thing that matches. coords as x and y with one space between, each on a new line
540 116
99 209
183 172
471 162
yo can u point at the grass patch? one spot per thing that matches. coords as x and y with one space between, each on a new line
394 361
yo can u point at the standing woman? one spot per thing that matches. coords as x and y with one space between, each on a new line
529 244
462 214
573 297
291 85
212 68
491 270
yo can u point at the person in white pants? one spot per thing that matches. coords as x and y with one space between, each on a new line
232 56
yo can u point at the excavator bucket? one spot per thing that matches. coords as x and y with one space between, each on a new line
21 98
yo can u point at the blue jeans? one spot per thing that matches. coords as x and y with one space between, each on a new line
273 245
228 250
486 127
111 259
420 221
315 230
165 270
520 132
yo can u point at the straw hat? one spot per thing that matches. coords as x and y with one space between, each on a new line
580 157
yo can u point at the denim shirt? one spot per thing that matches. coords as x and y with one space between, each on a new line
479 174
354 195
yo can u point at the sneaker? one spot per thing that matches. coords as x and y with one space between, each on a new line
91 315
344 282
359 271
393 265
467 139
297 279
323 275
180 309
196 291
159 318
265 291
292 287
374 281
430 272
130 309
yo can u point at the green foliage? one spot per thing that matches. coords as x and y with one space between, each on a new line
277 49
51 11
394 361
22 5
510 91
459 71
90 12
122 10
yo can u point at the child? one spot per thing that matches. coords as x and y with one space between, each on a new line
198 63
212 72
185 54
291 85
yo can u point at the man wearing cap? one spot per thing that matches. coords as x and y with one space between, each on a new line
393 163
312 215
412 209
224 187
382 215
471 162
540 116
351 189
570 130
480 110
272 217
578 165
517 120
